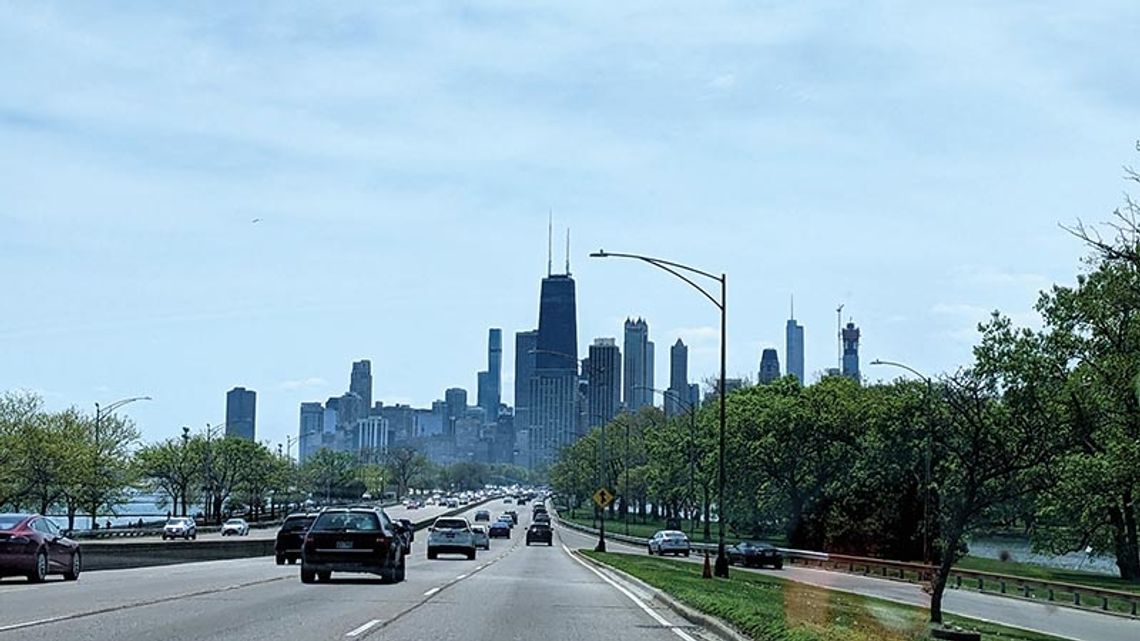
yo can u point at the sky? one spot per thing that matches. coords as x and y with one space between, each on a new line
910 161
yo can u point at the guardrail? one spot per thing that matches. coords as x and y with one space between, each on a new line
1114 602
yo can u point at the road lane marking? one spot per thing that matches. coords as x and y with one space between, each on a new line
632 597
364 628
461 577
432 591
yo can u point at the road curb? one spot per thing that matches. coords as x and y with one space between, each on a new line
719 627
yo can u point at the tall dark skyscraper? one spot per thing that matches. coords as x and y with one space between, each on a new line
637 385
241 413
602 371
850 336
794 347
361 382
677 399
309 434
554 386
769 366
489 393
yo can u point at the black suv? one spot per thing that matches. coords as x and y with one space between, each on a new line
290 536
539 533
354 540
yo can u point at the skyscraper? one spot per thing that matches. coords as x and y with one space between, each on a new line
769 366
602 371
489 392
554 386
677 400
525 344
309 434
637 387
456 400
794 347
361 382
851 351
241 413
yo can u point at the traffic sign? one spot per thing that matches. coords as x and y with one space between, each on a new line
603 498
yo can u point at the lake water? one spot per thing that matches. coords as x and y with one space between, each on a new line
144 506
1021 551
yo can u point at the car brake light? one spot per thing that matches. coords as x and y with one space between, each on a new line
19 540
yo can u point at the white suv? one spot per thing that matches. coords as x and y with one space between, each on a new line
451 535
180 528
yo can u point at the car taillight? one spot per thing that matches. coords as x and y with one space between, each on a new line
19 540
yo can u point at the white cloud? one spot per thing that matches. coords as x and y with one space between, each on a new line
987 275
723 81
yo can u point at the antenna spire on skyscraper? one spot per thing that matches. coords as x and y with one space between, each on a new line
567 251
793 312
550 243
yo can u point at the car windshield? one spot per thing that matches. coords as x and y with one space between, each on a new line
234 522
296 524
346 522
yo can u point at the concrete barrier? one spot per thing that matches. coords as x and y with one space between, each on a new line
115 555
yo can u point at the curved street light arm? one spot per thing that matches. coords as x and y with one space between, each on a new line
877 361
672 268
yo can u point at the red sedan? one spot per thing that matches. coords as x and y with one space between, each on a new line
34 546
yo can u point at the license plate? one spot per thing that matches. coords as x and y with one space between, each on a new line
450 535
344 545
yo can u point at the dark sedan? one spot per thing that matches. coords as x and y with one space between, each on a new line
499 530
353 540
34 546
290 537
749 554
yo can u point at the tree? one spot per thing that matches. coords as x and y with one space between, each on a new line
170 467
106 466
328 473
17 412
405 466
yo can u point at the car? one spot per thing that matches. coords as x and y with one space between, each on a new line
753 554
451 535
287 548
538 507
452 502
180 528
361 540
482 537
508 519
522 500
542 517
669 542
499 530
483 515
514 516
412 504
235 527
33 546
539 533
507 499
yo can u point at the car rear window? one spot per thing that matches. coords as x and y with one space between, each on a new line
297 524
10 522
450 524
347 522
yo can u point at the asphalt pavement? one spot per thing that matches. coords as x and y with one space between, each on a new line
509 592
1051 619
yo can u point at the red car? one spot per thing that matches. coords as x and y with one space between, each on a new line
34 546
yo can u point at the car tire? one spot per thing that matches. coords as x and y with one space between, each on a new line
649 548
324 575
550 544
76 566
194 536
307 575
280 560
431 554
779 565
471 555
292 560
40 569
686 553
163 537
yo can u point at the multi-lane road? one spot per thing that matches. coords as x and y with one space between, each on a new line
510 592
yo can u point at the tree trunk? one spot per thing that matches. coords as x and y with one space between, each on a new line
1124 538
942 575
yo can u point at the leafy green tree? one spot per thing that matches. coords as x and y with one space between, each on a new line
405 466
329 474
170 468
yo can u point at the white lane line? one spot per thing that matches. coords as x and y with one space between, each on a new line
632 597
28 624
480 567
461 577
364 628
432 591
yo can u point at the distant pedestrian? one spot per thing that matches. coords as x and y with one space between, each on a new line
108 525
168 514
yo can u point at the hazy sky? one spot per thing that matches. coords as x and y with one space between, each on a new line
911 162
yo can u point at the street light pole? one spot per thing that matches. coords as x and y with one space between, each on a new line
677 270
100 411
929 434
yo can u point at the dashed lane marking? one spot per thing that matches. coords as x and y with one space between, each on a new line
364 628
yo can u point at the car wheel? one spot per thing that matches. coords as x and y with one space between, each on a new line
650 549
431 554
72 572
194 536
163 537
292 560
308 576
550 544
779 565
471 555
686 553
280 560
324 575
39 571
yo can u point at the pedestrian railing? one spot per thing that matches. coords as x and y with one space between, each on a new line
1066 594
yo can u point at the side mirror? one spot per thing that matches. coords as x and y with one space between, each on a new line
67 534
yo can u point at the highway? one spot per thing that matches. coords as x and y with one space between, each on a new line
510 592
1040 617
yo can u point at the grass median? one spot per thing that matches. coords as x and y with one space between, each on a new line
767 608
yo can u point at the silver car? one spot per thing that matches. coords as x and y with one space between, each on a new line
669 542
235 527
180 528
481 536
